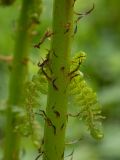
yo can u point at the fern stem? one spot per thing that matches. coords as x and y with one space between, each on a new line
17 79
56 111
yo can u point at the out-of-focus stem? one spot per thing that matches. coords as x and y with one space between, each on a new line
17 79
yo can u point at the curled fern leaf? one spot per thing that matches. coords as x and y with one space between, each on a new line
90 110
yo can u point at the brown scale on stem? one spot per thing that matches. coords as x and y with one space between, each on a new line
76 28
55 54
81 15
51 50
49 122
43 71
67 27
62 155
53 107
62 68
54 85
62 126
56 113
42 141
42 65
47 34
25 61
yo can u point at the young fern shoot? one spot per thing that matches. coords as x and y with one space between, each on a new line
85 98
64 78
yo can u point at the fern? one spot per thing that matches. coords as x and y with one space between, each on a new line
33 89
28 127
83 95
90 110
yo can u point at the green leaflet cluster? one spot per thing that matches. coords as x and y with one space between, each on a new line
33 89
90 110
83 95
26 127
27 124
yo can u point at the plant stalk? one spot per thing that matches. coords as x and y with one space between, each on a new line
56 111
17 80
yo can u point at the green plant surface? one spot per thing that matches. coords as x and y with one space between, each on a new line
54 136
97 35
17 78
85 98
6 2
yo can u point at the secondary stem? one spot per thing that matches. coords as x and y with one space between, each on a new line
56 111
17 79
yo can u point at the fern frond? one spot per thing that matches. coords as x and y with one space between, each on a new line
33 90
90 110
28 127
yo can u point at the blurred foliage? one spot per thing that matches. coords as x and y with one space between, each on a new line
97 35
6 2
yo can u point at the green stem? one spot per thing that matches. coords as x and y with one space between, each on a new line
56 111
17 79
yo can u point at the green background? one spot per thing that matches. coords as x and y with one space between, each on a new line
99 36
